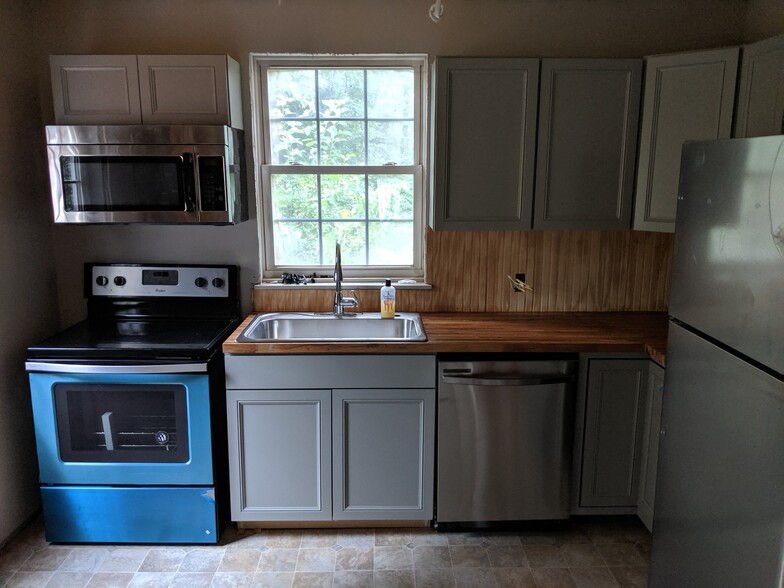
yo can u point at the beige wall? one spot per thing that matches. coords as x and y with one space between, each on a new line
28 300
764 18
603 28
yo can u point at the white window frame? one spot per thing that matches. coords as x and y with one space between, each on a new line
260 64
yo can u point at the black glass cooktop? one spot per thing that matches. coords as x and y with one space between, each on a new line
182 339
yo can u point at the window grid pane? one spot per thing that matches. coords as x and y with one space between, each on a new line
318 135
293 137
373 213
335 219
365 104
320 226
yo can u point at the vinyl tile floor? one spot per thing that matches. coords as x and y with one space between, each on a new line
590 552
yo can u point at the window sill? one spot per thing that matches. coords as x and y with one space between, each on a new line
328 284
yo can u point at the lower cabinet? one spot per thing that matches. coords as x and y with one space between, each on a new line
610 419
619 405
341 451
649 461
382 458
279 454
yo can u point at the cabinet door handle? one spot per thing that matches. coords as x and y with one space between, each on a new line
514 381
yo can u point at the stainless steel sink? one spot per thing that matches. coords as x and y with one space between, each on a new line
327 327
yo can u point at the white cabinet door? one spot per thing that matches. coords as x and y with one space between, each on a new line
280 455
95 89
760 109
484 143
189 89
687 97
649 461
587 143
383 446
146 89
614 413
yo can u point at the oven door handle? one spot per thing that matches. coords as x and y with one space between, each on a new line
71 368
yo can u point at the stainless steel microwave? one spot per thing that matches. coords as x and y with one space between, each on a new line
147 174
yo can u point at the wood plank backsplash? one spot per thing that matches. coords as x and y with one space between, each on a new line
592 271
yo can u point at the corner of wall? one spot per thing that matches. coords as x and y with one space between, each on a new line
764 19
30 305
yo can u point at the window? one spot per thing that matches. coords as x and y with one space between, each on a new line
341 161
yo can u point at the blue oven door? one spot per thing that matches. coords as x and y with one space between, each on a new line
122 425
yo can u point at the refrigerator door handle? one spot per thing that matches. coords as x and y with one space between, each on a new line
776 198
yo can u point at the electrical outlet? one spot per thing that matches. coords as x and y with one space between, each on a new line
520 277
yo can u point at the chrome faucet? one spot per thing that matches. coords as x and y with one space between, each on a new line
341 302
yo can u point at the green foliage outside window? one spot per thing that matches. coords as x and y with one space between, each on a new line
329 118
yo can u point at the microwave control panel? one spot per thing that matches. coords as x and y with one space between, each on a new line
212 183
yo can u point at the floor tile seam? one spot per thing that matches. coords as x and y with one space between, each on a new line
299 553
222 553
11 577
215 571
375 569
91 572
35 551
636 555
31 553
138 567
619 542
179 565
609 571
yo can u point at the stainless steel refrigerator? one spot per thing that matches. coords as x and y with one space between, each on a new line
719 513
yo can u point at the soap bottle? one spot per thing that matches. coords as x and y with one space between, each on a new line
388 300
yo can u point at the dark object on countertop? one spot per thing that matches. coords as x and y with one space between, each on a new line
296 279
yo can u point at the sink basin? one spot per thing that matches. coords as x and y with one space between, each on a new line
325 327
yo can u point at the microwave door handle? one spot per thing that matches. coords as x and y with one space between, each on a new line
189 181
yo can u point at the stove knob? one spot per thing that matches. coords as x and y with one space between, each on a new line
201 282
101 280
218 282
119 281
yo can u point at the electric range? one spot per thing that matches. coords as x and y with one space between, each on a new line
129 407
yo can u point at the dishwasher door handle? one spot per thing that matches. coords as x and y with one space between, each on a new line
514 381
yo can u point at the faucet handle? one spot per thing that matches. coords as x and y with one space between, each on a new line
351 301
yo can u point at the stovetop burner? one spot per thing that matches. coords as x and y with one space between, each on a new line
150 312
187 339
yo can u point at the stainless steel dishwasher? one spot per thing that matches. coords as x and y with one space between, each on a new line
505 430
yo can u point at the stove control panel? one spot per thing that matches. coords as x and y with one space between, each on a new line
160 281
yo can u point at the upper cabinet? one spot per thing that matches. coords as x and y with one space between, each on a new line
688 97
95 89
580 120
586 144
484 137
190 89
146 89
760 109
485 140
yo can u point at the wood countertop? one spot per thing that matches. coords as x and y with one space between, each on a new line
643 332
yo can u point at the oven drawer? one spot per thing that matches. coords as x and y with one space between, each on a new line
92 514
